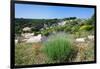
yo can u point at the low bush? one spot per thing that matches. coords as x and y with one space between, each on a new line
58 47
86 28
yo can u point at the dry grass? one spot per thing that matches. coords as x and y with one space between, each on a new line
24 54
39 57
28 54
85 52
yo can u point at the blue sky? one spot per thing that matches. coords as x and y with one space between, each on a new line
50 12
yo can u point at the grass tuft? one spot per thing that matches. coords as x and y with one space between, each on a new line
58 47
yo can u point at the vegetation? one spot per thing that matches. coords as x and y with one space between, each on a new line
47 26
24 54
58 47
35 24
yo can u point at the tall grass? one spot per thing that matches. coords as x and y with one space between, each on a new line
58 47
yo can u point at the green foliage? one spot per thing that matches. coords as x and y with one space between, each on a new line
70 18
72 25
75 28
67 29
86 27
90 21
35 24
45 32
58 47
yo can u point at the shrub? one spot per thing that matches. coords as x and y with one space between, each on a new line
86 27
45 32
75 29
68 29
58 47
81 34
